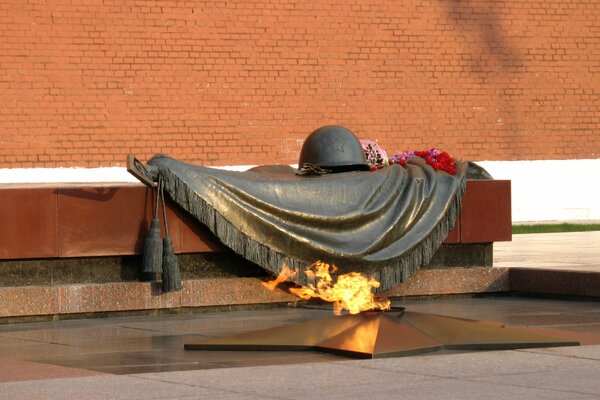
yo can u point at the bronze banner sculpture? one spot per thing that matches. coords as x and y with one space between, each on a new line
386 223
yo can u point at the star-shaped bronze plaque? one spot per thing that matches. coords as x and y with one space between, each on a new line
376 334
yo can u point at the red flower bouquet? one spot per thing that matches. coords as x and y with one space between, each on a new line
439 160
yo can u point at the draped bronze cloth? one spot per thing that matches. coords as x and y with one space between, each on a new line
386 223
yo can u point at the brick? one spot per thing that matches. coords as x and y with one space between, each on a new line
246 77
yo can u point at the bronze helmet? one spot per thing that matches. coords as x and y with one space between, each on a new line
333 148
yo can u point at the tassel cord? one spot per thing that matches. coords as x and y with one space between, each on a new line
171 276
156 205
153 246
161 191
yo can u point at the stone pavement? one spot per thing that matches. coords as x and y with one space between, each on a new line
575 251
567 373
142 357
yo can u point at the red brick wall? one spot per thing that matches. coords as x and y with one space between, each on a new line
84 82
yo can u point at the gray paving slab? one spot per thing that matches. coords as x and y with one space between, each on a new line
578 251
483 364
581 379
586 352
324 380
481 375
105 387
457 389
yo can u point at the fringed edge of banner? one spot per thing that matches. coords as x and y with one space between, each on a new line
410 262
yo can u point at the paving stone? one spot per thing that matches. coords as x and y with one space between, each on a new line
469 390
566 251
574 377
487 364
586 352
293 381
104 387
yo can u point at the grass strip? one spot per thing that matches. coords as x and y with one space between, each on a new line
551 228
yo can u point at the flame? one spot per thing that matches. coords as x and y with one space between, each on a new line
286 274
352 291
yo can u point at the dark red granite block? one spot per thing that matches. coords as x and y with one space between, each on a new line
98 221
486 212
81 221
102 221
28 228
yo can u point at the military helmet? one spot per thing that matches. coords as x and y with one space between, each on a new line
333 148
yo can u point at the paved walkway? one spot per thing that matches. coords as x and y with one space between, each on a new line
567 373
141 357
571 251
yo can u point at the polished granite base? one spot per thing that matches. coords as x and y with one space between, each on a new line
78 300
154 343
